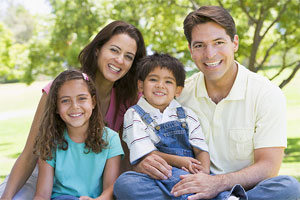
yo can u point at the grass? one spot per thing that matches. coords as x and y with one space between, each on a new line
18 103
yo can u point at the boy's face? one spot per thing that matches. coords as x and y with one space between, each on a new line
213 51
159 88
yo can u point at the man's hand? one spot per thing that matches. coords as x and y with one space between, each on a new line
203 185
154 166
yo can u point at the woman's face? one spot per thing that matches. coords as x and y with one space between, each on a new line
116 56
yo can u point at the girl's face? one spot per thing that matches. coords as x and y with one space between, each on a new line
75 104
116 56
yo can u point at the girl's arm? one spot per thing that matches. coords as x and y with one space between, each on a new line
45 181
26 162
110 175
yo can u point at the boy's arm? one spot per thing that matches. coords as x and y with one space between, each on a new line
45 181
179 161
203 157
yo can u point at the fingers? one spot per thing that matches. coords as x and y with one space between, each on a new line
154 166
185 169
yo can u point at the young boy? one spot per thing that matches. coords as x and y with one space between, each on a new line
159 124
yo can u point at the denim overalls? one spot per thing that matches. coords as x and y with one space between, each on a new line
174 139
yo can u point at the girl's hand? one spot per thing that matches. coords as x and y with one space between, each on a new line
85 198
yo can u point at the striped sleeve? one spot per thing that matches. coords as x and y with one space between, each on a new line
136 137
196 135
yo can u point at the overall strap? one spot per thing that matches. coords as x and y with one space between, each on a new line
145 116
181 116
180 113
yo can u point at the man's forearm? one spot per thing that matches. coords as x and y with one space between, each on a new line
267 165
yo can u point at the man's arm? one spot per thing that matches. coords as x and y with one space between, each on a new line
267 162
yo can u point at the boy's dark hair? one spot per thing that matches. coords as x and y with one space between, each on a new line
149 63
206 14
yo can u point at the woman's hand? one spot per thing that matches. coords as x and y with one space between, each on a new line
154 166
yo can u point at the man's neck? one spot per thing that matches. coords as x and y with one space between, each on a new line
218 90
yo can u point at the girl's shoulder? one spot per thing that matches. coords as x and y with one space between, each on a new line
109 133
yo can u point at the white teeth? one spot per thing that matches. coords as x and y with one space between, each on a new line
213 64
159 93
114 68
75 115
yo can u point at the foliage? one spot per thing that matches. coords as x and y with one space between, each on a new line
268 36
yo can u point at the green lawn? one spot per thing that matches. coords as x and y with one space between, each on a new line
18 103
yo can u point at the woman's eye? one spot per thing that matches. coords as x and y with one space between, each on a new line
129 57
82 98
114 50
197 46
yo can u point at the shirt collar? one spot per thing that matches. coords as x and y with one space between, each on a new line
150 109
237 91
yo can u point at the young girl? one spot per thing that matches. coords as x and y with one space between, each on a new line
79 158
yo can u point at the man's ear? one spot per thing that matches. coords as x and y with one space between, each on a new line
236 43
141 86
178 91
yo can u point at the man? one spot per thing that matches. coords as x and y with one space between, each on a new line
242 115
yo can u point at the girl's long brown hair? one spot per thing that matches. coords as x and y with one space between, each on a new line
51 131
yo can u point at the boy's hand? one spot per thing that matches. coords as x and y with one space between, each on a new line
191 165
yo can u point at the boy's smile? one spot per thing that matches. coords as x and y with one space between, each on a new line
159 88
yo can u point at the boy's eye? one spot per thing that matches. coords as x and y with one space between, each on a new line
169 82
152 79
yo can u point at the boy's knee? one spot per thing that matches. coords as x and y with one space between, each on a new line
292 186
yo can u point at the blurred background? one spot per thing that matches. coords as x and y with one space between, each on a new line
41 38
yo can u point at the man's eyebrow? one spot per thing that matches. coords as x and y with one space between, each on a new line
201 42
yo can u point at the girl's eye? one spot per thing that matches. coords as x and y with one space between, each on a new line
64 101
82 98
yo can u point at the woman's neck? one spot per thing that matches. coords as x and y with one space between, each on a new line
104 88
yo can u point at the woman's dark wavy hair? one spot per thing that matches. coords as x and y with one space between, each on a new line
51 131
126 87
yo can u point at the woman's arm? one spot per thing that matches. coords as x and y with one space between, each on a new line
45 181
26 162
110 175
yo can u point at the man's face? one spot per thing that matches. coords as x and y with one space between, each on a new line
213 52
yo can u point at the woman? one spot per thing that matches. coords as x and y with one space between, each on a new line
110 59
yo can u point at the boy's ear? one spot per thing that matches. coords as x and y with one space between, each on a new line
140 86
178 91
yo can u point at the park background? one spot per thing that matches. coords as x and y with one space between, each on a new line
40 38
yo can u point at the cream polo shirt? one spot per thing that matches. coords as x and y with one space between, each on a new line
141 139
252 116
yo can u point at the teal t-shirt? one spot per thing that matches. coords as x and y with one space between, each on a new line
80 174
